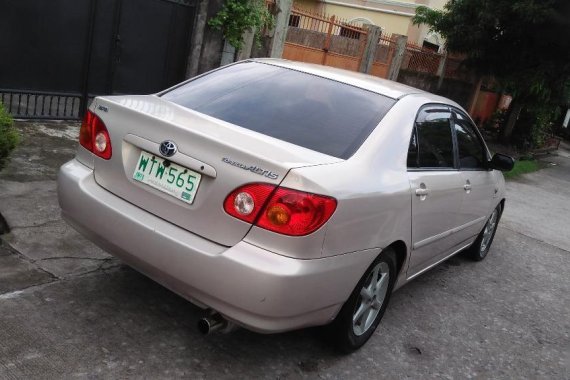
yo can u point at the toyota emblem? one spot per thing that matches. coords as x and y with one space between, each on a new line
168 148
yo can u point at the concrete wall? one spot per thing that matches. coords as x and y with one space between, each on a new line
456 90
339 44
213 41
210 51
309 5
437 4
417 33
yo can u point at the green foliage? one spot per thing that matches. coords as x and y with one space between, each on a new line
522 167
9 136
239 16
497 119
535 124
505 37
522 43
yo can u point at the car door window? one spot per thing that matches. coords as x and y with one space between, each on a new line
431 144
413 150
472 152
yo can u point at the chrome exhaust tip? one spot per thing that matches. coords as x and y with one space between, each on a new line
214 322
208 325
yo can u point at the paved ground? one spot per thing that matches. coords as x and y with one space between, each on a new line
67 309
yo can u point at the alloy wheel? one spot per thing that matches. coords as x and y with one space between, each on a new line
488 232
371 298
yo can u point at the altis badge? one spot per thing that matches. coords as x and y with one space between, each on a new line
252 168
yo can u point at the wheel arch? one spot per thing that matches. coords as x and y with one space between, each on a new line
401 251
502 203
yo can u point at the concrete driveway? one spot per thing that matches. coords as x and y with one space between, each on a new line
67 309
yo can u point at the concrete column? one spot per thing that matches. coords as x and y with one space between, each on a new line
228 54
371 44
282 13
212 40
399 51
245 51
475 95
441 71
197 37
566 119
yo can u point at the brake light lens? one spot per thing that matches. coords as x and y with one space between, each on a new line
296 213
247 201
94 136
282 210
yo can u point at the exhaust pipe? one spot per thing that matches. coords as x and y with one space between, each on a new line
214 322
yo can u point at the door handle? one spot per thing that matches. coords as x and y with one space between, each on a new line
467 186
421 192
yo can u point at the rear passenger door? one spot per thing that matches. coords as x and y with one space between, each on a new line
479 186
436 186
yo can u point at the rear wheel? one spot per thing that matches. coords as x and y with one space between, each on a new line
362 312
478 251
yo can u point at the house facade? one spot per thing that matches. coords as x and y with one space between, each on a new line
393 16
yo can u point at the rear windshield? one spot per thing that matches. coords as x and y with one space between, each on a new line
313 112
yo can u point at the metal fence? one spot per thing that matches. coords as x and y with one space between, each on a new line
115 47
385 50
323 39
329 40
331 25
420 59
41 105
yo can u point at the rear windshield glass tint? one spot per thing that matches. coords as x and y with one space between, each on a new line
313 112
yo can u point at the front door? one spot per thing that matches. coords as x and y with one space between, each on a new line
479 185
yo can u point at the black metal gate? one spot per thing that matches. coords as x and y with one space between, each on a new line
56 55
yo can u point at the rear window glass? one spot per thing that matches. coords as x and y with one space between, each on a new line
313 112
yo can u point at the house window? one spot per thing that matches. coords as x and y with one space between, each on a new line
428 45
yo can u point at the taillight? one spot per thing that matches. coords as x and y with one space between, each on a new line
247 201
296 213
94 136
288 212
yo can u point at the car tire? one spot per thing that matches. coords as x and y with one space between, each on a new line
480 248
349 331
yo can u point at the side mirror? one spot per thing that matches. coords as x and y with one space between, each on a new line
501 162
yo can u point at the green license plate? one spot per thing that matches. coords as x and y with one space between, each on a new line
168 177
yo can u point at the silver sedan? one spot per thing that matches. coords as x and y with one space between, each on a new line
280 195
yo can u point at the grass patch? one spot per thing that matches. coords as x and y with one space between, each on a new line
522 167
9 136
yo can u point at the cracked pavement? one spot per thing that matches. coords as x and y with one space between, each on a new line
29 204
68 309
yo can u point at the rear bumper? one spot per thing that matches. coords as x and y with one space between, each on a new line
258 289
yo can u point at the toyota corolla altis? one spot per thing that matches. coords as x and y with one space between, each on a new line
281 195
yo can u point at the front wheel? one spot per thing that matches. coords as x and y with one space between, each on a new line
478 251
362 312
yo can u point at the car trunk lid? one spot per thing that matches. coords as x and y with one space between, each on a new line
224 155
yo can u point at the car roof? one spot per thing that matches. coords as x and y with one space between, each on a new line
371 83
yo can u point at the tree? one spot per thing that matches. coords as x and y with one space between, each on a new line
523 44
238 16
